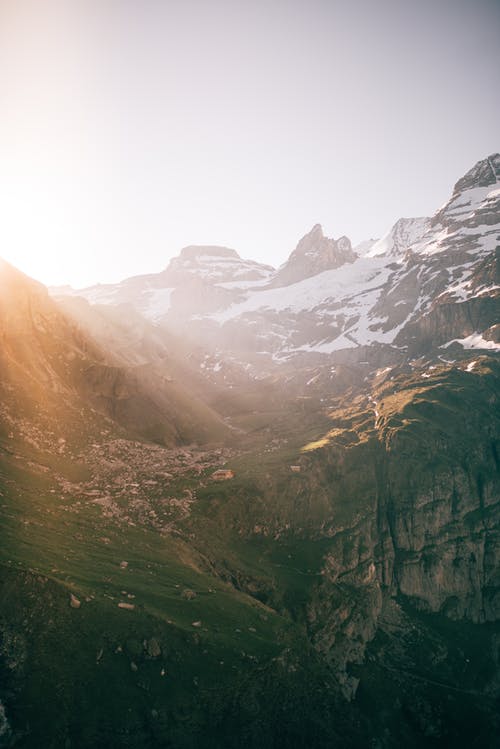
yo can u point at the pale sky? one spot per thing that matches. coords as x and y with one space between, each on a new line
132 128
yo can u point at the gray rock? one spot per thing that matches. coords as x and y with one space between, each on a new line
153 648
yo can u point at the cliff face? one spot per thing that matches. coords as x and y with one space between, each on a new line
445 537
430 532
399 498
314 254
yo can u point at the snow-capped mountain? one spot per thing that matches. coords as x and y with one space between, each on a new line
402 235
428 283
453 269
199 279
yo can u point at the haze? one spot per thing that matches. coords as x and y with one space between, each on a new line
131 129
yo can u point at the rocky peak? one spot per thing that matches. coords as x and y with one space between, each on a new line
485 173
475 201
314 254
311 238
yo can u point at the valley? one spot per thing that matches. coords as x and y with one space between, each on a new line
339 586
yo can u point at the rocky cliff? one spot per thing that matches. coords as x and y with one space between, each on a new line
397 501
314 254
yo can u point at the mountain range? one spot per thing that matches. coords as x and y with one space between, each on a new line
428 283
247 506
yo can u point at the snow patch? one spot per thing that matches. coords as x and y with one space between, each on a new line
473 341
363 276
469 201
157 303
400 237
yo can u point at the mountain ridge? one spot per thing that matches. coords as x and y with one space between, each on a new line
47 354
326 299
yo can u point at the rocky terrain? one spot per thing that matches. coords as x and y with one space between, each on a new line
339 586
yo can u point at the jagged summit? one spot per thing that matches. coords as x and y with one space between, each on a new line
476 200
315 235
315 244
483 174
314 254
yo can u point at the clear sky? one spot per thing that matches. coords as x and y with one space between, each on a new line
131 128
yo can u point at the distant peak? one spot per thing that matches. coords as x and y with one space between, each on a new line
195 250
315 242
314 254
483 174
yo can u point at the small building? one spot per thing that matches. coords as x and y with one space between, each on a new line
295 469
222 474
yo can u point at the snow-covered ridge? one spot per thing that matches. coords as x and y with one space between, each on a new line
211 266
463 206
364 276
217 264
328 297
400 237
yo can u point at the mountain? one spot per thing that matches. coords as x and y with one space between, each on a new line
314 254
50 364
200 279
402 235
428 283
454 268
305 550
